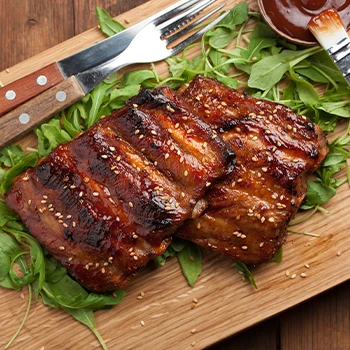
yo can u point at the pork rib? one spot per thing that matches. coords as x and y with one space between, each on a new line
250 209
107 202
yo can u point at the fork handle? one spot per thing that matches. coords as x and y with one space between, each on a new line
26 117
23 89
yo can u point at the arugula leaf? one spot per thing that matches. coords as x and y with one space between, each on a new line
318 193
278 256
11 155
108 25
244 271
271 69
28 161
190 259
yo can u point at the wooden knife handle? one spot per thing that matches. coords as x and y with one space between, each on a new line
16 123
22 90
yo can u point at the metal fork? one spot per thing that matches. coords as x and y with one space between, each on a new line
149 45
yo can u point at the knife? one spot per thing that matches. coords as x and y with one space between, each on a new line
24 89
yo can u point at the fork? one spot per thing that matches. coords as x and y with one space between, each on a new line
150 44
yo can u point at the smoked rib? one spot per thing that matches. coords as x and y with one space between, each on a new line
107 202
249 210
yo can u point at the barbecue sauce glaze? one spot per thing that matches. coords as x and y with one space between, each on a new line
292 16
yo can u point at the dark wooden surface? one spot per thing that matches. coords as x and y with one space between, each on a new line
28 27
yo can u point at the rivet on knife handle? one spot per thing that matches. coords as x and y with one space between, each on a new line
16 123
22 90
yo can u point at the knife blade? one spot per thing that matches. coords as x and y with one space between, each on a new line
24 89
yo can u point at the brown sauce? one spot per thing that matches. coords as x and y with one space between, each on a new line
292 16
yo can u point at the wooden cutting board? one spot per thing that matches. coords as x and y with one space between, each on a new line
225 305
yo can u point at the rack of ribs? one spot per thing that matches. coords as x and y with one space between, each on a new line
107 202
249 210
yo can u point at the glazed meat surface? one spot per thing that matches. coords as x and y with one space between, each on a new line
107 202
249 210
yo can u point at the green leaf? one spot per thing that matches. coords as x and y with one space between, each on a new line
50 135
278 256
26 162
190 259
270 70
238 15
307 93
86 317
98 97
222 37
318 193
108 25
136 77
11 155
244 271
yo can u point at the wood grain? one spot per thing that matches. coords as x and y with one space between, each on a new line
226 305
39 109
28 87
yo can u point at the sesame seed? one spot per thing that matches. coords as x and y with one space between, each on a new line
339 253
274 196
72 187
29 202
142 323
244 247
274 111
294 130
267 131
87 267
155 163
307 266
135 236
170 109
86 179
105 264
293 276
262 220
213 136
261 244
137 131
81 194
131 205
74 224
104 156
153 132
111 148
272 219
166 156
139 297
264 169
183 194
185 173
69 217
287 273
182 159
205 145
279 144
58 214
170 131
142 294
243 236
95 194
303 275
118 158
135 257
208 184
70 259
199 225
193 305
141 137
135 105
239 180
254 138
194 330
252 115
193 343
110 259
254 159
65 225
60 221
289 127
103 270
189 131
62 247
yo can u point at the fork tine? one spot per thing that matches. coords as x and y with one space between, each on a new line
182 6
176 22
179 47
192 25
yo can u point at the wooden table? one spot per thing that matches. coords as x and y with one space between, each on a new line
28 27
